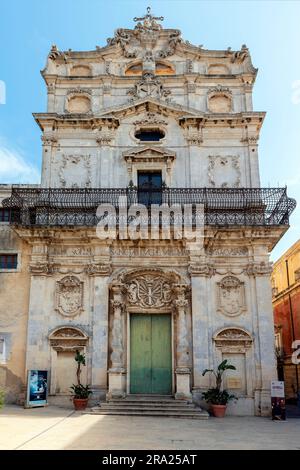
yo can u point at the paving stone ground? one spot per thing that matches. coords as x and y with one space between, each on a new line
61 428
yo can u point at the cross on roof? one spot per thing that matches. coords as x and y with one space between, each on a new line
148 17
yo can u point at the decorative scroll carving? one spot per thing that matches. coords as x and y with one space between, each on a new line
144 37
68 339
69 296
233 337
224 171
231 296
259 269
174 39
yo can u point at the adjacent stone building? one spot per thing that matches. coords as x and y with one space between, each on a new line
154 119
286 305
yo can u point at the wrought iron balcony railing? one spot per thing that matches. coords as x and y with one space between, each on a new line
77 206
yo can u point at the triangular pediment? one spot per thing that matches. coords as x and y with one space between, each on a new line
149 153
150 105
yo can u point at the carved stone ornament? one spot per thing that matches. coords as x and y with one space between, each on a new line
69 296
149 291
144 37
75 171
224 171
68 339
231 296
151 118
98 269
228 251
232 338
202 269
259 269
42 268
219 90
149 85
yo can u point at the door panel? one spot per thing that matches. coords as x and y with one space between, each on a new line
140 354
150 354
161 354
149 188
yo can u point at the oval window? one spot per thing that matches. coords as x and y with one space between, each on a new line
149 135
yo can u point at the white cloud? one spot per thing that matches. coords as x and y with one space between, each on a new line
14 169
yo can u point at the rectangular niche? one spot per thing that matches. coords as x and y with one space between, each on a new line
65 372
235 380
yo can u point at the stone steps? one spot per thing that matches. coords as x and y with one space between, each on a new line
150 406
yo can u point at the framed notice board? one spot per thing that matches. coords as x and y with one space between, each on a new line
37 388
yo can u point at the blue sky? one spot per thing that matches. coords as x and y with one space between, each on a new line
269 28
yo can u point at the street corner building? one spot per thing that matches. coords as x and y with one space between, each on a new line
154 119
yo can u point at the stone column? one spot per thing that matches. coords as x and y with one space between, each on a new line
261 272
200 274
117 382
100 274
182 371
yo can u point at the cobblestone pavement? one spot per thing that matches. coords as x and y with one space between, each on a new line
61 428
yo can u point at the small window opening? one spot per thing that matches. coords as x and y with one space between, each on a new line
150 135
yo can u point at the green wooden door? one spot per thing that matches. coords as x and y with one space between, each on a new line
150 354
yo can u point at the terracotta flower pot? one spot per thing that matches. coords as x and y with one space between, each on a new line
80 403
219 410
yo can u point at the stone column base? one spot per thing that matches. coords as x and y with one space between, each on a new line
183 389
116 383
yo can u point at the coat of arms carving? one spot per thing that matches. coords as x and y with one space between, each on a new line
231 296
69 296
149 292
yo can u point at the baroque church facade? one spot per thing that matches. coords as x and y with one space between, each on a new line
155 119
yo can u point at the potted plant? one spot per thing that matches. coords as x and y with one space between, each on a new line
81 392
218 398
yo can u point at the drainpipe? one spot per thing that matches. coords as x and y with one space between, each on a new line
292 319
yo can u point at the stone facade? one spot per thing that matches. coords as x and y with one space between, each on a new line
74 291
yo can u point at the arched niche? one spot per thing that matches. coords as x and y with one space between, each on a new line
162 68
78 103
134 69
64 342
236 345
219 103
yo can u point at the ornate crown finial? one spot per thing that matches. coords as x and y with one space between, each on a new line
149 21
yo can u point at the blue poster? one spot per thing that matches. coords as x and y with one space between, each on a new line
37 388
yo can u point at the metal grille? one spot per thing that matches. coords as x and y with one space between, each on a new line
77 206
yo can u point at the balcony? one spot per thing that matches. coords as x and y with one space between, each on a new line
77 206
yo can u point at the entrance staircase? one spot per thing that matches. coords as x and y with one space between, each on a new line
150 405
